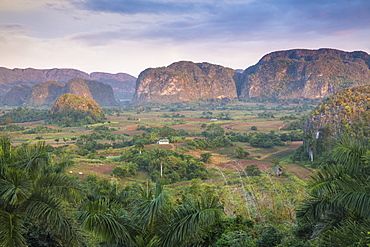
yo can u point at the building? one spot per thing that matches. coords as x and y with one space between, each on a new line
163 141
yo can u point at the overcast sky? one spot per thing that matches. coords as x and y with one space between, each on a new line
132 35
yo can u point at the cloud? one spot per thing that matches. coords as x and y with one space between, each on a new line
189 20
15 28
137 6
131 35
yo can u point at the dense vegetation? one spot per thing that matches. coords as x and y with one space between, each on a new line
22 115
141 215
337 212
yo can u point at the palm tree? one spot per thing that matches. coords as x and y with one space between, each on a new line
160 156
150 217
152 208
106 219
32 189
340 192
191 220
83 138
140 146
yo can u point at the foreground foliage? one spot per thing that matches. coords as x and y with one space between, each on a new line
338 209
34 192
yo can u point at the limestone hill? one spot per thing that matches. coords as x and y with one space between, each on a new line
347 111
310 74
185 81
348 108
71 110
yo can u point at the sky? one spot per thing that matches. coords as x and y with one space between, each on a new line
132 35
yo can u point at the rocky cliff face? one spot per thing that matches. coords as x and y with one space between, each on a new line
44 94
122 84
302 73
185 81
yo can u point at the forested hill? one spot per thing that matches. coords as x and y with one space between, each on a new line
347 111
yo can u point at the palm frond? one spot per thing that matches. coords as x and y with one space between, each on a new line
47 209
355 201
5 154
153 204
33 158
96 217
60 185
348 233
317 209
350 152
15 188
11 230
191 220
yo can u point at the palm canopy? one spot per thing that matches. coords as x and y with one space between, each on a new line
151 218
30 189
191 220
340 192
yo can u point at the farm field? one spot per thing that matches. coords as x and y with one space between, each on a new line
127 125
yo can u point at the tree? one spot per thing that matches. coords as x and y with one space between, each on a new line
240 153
213 131
160 156
141 215
65 139
192 219
140 146
252 170
111 138
340 195
205 157
32 188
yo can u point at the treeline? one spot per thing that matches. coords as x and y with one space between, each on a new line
22 115
163 164
69 118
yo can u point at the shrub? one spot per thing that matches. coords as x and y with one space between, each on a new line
270 238
252 170
125 170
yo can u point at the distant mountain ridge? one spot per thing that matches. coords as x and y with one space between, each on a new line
123 84
45 94
280 75
290 74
